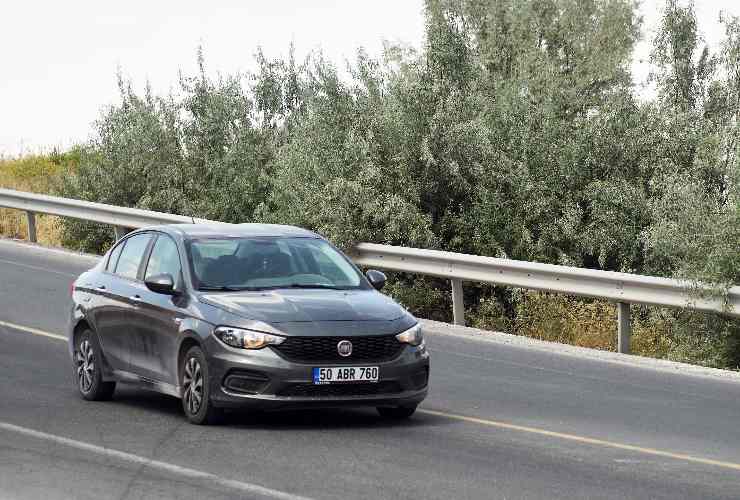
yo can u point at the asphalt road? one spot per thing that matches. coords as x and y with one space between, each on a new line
500 422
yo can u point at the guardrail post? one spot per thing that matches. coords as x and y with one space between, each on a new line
624 327
120 232
458 307
31 218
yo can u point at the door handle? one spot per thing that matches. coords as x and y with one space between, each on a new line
135 298
101 287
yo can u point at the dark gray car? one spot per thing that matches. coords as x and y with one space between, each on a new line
251 315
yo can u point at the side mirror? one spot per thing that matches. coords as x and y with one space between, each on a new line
376 279
161 283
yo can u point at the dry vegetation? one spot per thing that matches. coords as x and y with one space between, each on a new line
582 322
38 174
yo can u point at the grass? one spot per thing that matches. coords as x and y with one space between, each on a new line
555 318
37 174
589 323
678 335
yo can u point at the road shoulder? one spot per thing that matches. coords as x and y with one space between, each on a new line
554 348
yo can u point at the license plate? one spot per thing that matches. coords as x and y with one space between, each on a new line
344 374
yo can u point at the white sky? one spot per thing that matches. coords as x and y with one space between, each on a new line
59 59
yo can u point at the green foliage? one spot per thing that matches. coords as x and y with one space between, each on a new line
514 132
343 172
426 297
491 315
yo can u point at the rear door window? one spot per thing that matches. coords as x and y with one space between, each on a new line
130 259
113 259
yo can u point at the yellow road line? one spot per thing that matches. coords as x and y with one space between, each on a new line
584 440
33 331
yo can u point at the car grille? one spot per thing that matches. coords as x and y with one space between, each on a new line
340 390
324 349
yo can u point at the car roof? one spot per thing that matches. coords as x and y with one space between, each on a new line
223 230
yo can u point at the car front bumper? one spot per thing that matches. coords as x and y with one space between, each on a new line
262 379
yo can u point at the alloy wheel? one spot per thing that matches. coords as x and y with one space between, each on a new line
85 366
192 383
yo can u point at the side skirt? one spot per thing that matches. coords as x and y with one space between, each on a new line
146 383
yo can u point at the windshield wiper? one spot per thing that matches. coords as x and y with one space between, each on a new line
311 285
224 288
211 288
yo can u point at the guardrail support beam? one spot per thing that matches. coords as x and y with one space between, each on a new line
31 218
624 327
120 232
458 307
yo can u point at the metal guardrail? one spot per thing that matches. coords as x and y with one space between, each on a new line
622 288
120 218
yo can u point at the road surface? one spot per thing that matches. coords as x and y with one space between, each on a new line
501 421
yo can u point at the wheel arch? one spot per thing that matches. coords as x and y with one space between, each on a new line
82 325
190 340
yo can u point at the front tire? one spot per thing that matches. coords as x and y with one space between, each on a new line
88 359
396 412
196 397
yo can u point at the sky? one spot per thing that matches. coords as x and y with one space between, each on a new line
60 59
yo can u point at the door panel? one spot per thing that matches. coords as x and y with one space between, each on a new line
157 334
115 308
107 317
157 330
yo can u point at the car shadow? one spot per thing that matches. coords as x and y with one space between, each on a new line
322 419
306 419
142 399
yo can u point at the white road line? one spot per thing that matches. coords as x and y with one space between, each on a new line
187 473
38 268
44 250
33 331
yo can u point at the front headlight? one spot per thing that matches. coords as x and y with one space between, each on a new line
246 339
412 336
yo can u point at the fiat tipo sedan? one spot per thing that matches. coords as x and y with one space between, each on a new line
250 315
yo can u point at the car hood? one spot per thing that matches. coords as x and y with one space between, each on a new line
312 305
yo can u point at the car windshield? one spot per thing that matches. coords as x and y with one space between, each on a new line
229 264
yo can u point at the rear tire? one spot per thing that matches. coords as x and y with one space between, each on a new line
196 396
88 361
396 412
